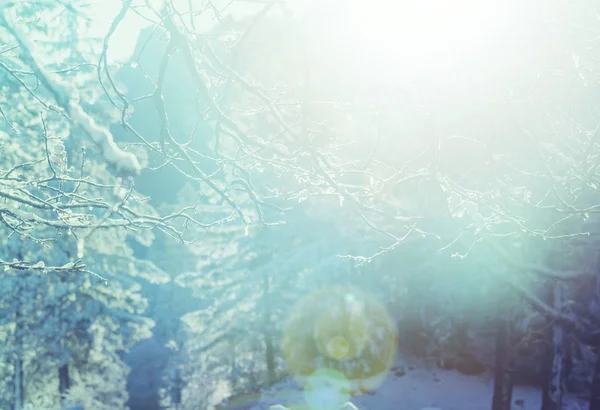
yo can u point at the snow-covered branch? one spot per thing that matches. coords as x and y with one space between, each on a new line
67 98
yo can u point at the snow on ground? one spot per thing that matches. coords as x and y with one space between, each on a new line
422 386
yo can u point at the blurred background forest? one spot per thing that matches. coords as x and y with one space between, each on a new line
201 200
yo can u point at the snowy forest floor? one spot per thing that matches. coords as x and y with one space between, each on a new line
422 386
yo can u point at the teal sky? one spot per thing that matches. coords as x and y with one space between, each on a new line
124 39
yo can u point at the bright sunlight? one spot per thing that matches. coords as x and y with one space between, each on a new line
299 204
400 39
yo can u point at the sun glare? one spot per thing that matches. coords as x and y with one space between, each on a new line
408 37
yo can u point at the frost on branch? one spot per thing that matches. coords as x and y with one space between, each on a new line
124 162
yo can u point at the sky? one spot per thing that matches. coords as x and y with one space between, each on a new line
124 39
436 41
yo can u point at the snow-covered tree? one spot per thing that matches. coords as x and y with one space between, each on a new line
70 306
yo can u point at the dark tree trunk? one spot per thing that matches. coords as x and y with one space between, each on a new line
412 327
569 357
269 350
552 390
460 337
233 375
503 383
176 388
595 389
18 390
19 395
64 382
270 356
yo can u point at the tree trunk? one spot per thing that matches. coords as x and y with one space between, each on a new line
552 391
176 388
270 356
18 391
233 375
19 396
269 350
460 337
64 382
569 357
595 389
413 327
503 383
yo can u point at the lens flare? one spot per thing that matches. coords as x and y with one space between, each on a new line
338 347
326 389
341 329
